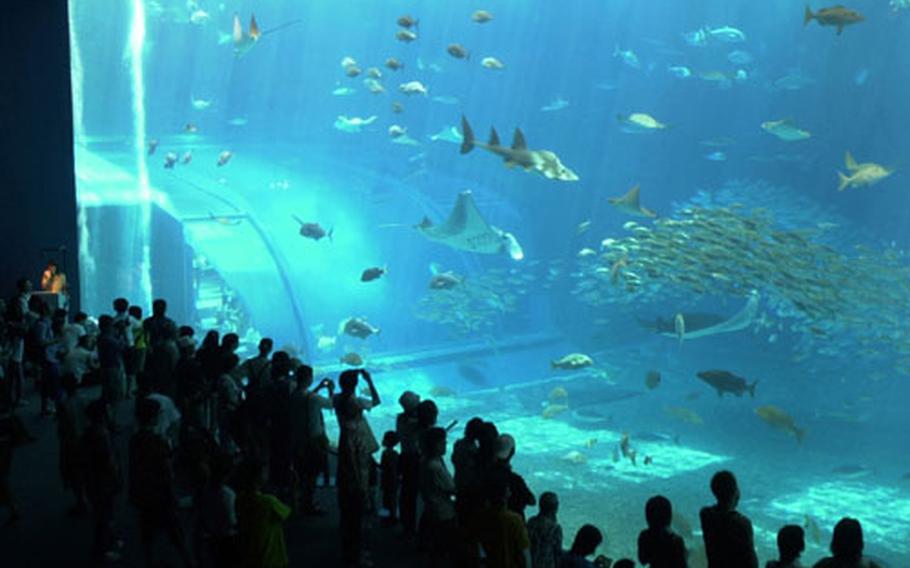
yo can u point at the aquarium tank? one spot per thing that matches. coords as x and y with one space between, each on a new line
650 240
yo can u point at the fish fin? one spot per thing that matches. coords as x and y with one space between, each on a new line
494 137
238 30
330 233
807 17
751 389
647 212
518 140
844 181
254 28
850 162
467 136
633 196
800 434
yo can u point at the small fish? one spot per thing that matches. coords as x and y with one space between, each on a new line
716 156
458 51
224 157
652 380
397 107
374 73
680 71
191 128
313 230
348 61
169 160
837 16
481 16
492 63
413 88
239 121
373 273
628 57
393 64
326 342
582 227
153 145
408 22
406 36
445 281
352 359
343 92
352 71
556 104
374 86
200 104
648 460
357 327
187 157
199 17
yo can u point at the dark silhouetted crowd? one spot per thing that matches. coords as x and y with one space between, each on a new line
244 446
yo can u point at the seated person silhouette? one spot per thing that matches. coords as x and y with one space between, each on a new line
791 542
846 547
727 534
658 546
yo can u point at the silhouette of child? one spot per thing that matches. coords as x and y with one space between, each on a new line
791 542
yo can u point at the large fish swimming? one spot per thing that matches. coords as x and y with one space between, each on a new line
544 162
466 229
725 381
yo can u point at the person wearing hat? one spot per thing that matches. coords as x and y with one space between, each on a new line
520 496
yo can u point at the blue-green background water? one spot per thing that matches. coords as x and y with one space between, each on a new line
274 108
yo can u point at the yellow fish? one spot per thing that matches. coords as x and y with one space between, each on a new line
868 173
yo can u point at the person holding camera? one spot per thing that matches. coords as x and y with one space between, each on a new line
356 446
310 442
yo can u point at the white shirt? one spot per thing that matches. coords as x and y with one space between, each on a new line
169 415
79 361
71 334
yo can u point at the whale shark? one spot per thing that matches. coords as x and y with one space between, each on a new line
466 229
704 325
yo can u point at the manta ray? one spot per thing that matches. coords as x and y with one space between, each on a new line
244 41
466 229
630 204
704 325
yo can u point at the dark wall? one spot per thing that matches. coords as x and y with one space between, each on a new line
37 185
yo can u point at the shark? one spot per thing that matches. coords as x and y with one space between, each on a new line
544 162
630 204
704 325
467 230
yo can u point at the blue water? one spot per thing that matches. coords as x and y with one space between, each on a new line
486 347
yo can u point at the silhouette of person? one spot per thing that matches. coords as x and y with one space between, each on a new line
658 546
846 547
545 533
727 533
791 542
587 539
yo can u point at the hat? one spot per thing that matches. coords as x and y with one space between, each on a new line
504 447
409 400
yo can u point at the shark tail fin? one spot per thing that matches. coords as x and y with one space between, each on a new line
751 389
844 181
800 434
330 233
467 135
807 17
